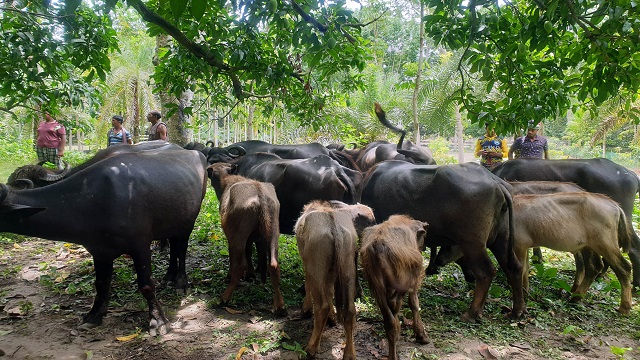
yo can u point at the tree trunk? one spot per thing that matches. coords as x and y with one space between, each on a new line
416 89
604 144
251 108
178 131
459 135
135 114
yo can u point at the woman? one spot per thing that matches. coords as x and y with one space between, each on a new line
51 140
118 134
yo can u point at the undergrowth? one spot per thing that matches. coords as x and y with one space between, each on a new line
443 297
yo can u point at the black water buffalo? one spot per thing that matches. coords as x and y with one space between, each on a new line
299 181
298 151
465 206
29 176
118 206
593 175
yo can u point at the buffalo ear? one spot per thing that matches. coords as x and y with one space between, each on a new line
19 211
421 234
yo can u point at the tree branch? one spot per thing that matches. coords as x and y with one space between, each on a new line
191 46
307 17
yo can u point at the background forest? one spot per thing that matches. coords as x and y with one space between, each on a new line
423 84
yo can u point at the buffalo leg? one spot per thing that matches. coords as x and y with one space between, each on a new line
622 269
513 267
104 274
158 323
391 322
237 265
177 272
588 267
278 301
537 255
634 256
483 271
418 326
322 304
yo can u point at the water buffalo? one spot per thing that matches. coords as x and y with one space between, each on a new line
297 151
572 222
118 206
249 215
593 175
326 235
465 206
392 265
299 181
29 176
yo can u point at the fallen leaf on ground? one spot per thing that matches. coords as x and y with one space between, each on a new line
232 311
128 337
240 352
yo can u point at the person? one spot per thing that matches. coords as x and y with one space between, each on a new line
158 129
118 134
51 141
531 145
490 148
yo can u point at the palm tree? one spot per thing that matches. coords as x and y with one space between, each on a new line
129 89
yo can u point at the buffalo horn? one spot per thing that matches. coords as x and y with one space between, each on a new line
59 176
239 149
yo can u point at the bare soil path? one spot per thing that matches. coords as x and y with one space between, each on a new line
36 323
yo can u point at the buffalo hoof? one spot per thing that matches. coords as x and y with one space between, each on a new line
306 314
159 327
281 312
422 339
92 320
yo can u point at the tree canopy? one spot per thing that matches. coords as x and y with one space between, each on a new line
542 56
282 52
536 59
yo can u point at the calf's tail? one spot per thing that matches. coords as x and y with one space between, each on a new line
625 232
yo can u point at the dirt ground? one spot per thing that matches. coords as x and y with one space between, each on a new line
37 324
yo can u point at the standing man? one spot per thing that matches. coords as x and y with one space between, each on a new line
51 141
490 148
158 129
531 145
118 134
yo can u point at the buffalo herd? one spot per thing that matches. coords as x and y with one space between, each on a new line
382 203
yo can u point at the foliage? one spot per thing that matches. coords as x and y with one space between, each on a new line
440 149
539 55
285 52
52 54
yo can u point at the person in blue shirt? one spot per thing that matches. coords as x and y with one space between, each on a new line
531 145
118 135
490 148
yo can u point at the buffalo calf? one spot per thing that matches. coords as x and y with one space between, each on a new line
393 266
249 215
326 233
575 222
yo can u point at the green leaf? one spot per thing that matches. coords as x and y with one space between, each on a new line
178 7
198 8
71 6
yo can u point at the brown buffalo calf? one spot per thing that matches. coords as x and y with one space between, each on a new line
249 215
393 266
575 222
326 233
